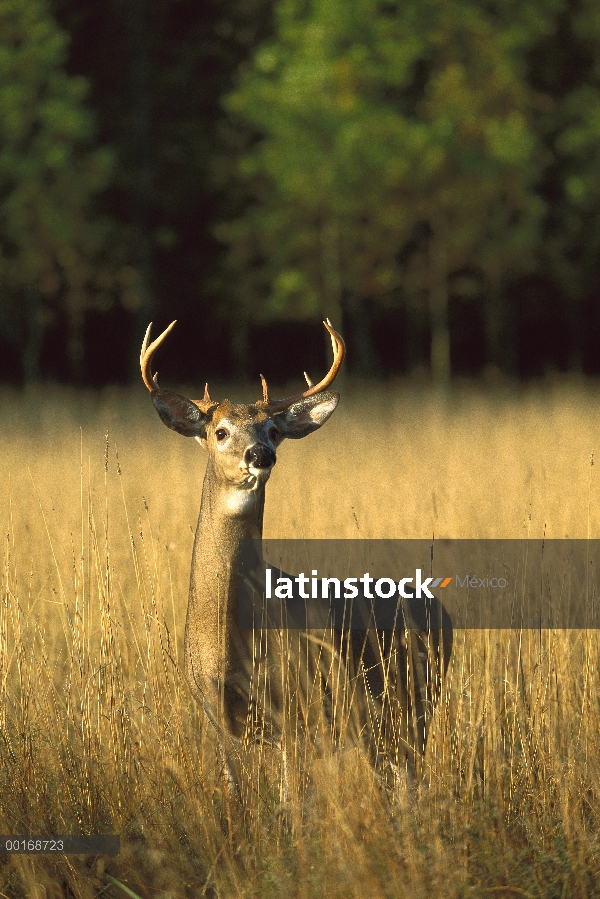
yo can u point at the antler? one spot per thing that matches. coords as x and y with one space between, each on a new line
339 351
150 380
146 354
205 404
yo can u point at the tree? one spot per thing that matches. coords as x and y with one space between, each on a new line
565 70
157 72
50 241
375 122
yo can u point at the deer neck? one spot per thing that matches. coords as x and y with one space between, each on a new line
228 511
228 514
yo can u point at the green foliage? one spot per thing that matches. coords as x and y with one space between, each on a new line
374 118
378 151
48 175
571 126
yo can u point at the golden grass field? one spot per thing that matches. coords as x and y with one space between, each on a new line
98 731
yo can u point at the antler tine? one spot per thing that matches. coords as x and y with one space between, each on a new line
205 404
339 351
265 388
146 355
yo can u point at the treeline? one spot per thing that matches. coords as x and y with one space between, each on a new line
426 173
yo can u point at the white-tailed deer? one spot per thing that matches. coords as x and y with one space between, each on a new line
242 442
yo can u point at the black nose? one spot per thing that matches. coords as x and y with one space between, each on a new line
259 456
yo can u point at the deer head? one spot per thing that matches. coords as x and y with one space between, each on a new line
242 440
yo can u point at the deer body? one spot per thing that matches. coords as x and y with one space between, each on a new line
242 442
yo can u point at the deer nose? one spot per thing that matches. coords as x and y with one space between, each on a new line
259 456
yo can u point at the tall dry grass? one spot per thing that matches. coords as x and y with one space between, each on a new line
98 732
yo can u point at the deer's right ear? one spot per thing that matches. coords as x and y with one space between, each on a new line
180 414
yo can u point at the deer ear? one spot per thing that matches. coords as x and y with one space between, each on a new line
180 414
307 415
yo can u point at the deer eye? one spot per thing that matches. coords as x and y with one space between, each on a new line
273 434
221 434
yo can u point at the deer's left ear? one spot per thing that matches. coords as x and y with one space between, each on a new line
307 415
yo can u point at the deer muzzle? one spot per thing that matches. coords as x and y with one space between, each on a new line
260 456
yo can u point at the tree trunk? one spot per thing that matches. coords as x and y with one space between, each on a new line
36 318
366 364
140 165
438 303
499 343
332 280
75 347
240 341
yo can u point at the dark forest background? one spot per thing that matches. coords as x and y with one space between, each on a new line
426 173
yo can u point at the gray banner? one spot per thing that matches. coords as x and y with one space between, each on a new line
311 584
61 844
